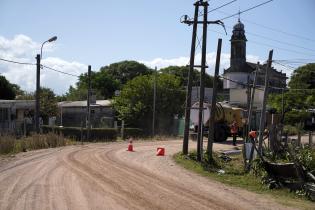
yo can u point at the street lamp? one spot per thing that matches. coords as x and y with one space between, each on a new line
52 39
38 65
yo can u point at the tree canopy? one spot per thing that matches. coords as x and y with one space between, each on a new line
106 81
135 102
7 90
48 102
303 77
182 73
125 70
299 97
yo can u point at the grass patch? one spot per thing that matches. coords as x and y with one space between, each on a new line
235 175
11 145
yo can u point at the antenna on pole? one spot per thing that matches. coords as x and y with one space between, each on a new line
239 14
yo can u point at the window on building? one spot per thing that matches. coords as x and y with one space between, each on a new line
4 114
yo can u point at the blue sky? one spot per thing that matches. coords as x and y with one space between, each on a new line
99 32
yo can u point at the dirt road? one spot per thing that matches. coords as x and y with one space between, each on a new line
106 176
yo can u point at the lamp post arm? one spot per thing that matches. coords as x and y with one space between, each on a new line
41 49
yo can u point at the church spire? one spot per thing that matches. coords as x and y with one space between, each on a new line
238 46
239 15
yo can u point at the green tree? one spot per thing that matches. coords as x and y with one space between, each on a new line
48 104
303 77
102 82
126 70
135 102
182 73
76 94
7 90
297 101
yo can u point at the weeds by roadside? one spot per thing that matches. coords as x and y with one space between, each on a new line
9 144
233 173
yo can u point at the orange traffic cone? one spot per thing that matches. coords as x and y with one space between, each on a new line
160 151
130 146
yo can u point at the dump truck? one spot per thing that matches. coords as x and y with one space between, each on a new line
225 114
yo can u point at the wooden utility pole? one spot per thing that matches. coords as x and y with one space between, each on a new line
249 120
245 137
154 101
88 105
37 96
214 101
203 66
263 111
250 111
282 106
190 73
202 79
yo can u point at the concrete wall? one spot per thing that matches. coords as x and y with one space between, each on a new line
73 116
235 76
239 96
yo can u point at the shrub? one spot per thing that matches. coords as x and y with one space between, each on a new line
7 144
54 140
133 132
291 130
295 116
36 141
101 134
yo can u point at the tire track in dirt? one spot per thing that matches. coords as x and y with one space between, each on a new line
104 176
113 188
173 191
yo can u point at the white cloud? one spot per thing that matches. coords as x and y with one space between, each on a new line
23 49
182 61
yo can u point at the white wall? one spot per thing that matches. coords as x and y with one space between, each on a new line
236 76
239 96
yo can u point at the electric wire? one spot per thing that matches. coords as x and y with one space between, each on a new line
268 45
33 64
275 40
219 7
261 87
17 62
246 10
62 72
270 28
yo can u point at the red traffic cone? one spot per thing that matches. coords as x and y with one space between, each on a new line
160 151
130 146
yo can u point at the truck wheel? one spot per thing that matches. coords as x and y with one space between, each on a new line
220 133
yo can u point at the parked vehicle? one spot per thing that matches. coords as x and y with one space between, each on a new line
225 114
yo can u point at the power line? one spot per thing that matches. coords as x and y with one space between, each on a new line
287 66
62 72
262 86
271 29
280 31
246 10
272 39
33 64
219 7
268 45
281 48
17 62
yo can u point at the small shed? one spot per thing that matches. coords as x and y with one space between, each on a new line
74 113
15 113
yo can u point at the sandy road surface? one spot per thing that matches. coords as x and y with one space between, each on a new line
105 176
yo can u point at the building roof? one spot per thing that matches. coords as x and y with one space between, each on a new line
250 67
17 103
104 103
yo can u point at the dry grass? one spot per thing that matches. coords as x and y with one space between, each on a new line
9 144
